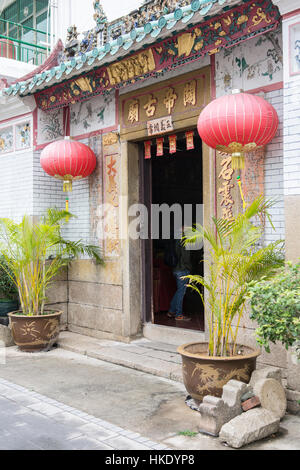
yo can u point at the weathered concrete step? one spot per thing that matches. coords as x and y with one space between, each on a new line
157 359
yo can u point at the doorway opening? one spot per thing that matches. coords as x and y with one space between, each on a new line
173 179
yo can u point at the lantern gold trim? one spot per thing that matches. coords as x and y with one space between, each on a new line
237 151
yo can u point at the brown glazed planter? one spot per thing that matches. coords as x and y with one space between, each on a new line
36 333
204 375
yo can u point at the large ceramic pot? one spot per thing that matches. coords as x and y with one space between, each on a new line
204 375
36 333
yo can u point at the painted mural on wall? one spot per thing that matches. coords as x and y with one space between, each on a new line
6 139
250 65
209 37
23 136
294 34
50 126
17 136
93 115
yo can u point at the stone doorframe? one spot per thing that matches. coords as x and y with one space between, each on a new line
130 192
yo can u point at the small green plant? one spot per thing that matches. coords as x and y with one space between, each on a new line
187 433
35 252
8 290
275 305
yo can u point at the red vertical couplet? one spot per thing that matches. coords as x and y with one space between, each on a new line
173 143
190 140
147 149
160 147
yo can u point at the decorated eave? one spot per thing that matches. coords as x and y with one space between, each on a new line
198 28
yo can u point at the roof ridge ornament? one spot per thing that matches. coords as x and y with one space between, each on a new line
99 15
149 11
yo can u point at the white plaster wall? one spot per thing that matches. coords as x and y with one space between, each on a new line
257 64
16 191
274 173
291 130
48 193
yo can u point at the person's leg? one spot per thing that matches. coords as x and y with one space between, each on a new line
173 306
176 302
181 290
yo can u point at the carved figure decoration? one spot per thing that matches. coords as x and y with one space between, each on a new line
101 21
72 42
99 15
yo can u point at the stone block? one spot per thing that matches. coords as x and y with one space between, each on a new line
293 370
60 307
249 427
272 396
6 337
57 292
88 271
96 318
247 396
88 293
215 412
265 373
251 403
276 358
233 392
293 401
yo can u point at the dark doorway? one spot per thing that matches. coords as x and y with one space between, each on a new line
173 179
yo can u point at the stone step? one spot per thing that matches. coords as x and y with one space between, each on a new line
154 358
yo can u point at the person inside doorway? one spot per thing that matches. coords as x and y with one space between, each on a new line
180 270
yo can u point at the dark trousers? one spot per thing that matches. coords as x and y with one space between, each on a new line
177 301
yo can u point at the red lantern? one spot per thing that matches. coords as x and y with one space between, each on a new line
68 161
237 124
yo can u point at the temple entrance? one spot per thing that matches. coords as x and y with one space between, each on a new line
172 181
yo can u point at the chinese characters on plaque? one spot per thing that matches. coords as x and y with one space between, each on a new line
160 126
224 191
155 111
111 225
163 101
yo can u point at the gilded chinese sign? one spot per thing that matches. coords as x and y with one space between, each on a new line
225 190
166 103
232 27
237 189
112 202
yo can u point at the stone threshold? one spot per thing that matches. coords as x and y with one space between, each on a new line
151 357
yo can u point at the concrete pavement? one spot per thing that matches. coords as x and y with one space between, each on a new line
31 421
143 409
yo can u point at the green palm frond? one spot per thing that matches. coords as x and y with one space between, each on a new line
237 257
34 253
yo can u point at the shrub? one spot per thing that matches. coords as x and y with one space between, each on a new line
275 305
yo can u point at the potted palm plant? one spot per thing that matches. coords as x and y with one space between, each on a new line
236 257
34 253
